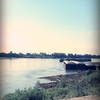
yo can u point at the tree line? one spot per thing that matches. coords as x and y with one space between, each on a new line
45 55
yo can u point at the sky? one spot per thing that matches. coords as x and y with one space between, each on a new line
67 26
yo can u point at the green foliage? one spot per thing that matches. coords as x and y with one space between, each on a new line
27 94
88 85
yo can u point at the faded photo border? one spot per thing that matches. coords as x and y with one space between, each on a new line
2 38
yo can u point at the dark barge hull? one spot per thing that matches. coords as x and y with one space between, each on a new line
79 67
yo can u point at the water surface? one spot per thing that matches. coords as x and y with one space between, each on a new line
24 73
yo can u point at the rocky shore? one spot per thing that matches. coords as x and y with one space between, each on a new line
68 77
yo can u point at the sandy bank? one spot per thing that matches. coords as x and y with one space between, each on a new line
85 98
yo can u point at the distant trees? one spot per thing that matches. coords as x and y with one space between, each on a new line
59 55
45 55
70 55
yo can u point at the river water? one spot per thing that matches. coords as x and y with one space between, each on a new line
24 73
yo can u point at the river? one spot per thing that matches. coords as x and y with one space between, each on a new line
24 73
20 73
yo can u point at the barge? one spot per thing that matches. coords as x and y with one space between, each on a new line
76 65
75 59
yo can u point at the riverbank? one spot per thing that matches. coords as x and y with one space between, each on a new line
55 80
83 83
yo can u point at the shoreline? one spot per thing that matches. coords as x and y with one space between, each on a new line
57 78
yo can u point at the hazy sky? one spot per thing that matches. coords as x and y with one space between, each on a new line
67 26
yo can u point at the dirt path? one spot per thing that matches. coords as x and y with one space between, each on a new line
85 98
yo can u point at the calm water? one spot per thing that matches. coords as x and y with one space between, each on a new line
24 73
